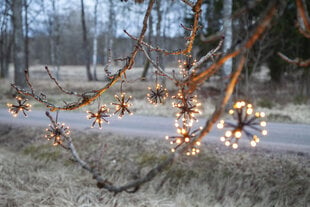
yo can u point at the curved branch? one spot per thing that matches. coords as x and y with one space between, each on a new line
297 61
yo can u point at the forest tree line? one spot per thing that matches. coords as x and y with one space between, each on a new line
75 33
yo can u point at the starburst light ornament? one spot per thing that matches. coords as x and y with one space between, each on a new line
157 95
122 105
100 116
185 136
247 123
21 106
56 133
188 107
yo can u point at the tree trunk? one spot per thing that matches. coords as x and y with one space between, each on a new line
85 43
227 11
26 38
55 40
95 45
158 35
18 46
5 43
147 62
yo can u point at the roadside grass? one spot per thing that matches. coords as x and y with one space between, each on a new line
34 173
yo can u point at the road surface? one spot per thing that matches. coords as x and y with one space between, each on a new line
294 137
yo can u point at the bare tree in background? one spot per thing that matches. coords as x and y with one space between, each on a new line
54 38
6 39
85 43
19 43
228 35
95 40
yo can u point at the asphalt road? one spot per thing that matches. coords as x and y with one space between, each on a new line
281 136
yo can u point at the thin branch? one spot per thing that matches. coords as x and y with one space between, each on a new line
189 3
59 86
190 39
131 186
160 70
89 97
297 61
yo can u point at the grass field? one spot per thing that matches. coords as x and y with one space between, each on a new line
34 173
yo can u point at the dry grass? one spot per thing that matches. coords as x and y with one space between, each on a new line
33 173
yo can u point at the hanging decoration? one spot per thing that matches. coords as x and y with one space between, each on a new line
248 123
122 103
21 106
99 116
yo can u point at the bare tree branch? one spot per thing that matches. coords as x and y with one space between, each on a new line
297 61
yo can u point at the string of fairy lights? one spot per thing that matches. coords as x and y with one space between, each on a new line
245 123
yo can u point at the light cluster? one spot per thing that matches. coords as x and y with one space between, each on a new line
99 116
122 105
186 65
188 107
56 133
157 95
247 122
21 106
185 136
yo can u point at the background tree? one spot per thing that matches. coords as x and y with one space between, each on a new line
85 43
6 39
19 43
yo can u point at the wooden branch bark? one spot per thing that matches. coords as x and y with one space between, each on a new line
297 61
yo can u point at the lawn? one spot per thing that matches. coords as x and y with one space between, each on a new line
34 173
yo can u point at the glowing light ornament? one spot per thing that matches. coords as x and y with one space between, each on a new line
21 106
185 137
99 116
57 133
122 105
185 65
248 123
157 95
188 107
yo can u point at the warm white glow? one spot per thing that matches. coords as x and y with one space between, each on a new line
262 114
264 132
220 126
263 123
198 143
178 141
186 139
238 134
235 145
222 139
255 139
231 111
253 143
249 111
227 143
228 133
